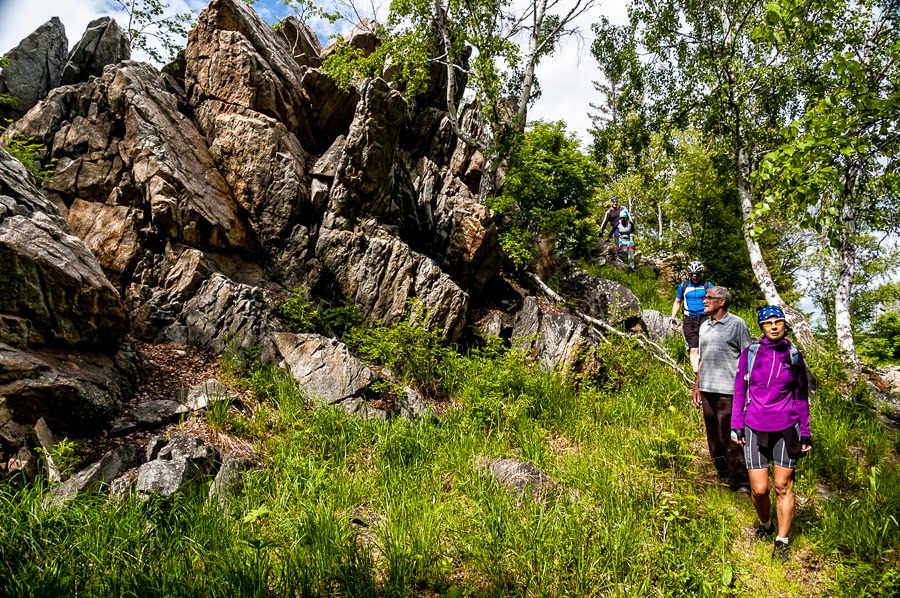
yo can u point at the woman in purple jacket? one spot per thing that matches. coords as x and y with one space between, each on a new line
770 419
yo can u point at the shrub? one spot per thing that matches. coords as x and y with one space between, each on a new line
303 314
884 346
413 354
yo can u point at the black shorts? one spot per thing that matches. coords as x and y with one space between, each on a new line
691 328
758 457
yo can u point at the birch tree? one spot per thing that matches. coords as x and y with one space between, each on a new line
836 171
711 64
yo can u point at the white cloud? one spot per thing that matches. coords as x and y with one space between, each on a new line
566 77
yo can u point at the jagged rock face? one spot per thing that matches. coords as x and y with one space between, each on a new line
63 353
301 41
225 315
379 274
35 66
48 278
551 338
331 109
233 56
454 227
361 186
111 232
119 139
103 43
264 164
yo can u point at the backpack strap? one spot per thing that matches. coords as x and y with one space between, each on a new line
751 357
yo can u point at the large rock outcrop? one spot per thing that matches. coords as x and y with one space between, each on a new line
380 274
63 352
233 56
35 66
103 43
363 175
49 282
202 194
119 139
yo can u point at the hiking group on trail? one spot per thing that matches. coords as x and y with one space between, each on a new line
754 397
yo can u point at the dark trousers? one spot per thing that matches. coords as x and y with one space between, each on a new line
727 456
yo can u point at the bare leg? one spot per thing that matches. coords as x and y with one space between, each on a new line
784 497
759 493
695 360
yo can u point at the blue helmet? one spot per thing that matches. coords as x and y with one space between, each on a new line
769 311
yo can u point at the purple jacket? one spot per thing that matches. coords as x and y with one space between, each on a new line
778 398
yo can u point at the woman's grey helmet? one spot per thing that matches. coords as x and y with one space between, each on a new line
696 268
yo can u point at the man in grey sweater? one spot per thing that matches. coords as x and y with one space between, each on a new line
722 338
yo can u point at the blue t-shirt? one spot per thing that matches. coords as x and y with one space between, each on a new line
692 295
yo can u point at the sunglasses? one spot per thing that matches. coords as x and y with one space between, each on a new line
712 298
769 323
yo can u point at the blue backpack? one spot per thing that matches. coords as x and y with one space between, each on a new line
751 357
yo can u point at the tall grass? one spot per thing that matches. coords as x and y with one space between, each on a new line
352 507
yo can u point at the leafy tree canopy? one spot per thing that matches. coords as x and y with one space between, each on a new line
549 190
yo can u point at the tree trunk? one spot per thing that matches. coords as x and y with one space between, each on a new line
659 219
843 327
842 323
798 322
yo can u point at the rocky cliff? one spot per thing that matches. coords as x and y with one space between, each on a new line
185 203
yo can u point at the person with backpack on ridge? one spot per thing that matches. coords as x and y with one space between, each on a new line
613 214
770 419
691 292
625 239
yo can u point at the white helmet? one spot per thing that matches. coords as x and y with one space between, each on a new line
696 268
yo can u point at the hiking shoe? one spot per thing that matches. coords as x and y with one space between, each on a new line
763 532
781 552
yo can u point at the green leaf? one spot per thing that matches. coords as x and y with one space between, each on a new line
256 513
727 576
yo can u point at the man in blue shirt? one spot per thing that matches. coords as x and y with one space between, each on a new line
691 292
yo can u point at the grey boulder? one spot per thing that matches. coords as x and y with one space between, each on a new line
35 66
324 368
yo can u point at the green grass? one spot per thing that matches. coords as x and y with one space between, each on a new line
367 508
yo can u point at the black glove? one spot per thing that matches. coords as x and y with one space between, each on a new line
737 434
673 322
806 441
